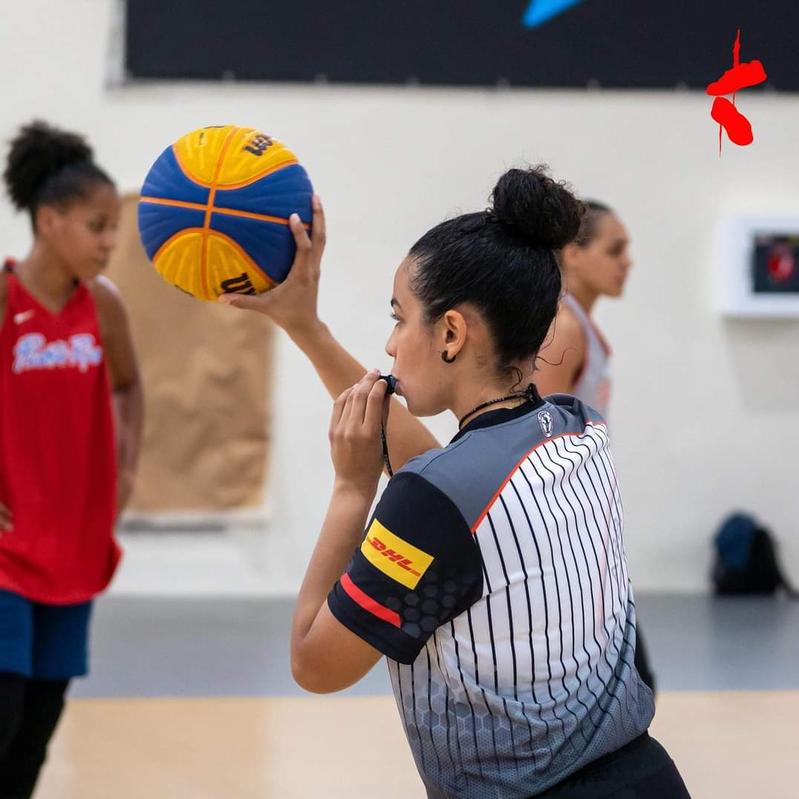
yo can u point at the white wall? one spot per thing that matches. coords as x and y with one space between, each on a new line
706 411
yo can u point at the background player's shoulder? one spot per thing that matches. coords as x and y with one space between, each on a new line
566 323
562 356
104 284
111 313
106 296
567 317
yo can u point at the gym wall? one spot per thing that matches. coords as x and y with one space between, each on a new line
705 413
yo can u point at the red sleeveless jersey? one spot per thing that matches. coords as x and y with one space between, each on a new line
57 450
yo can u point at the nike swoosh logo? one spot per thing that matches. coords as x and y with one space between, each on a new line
22 317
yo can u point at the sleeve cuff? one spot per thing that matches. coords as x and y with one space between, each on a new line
405 652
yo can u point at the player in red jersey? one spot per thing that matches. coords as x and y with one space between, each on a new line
67 368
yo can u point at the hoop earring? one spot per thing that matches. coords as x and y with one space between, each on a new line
446 358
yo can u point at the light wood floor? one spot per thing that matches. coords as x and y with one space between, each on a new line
727 745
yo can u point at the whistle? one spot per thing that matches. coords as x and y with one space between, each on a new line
391 382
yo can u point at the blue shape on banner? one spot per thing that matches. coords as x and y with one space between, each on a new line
541 11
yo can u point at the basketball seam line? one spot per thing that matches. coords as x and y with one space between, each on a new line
266 173
208 211
217 210
242 183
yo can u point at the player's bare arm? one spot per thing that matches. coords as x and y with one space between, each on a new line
562 357
126 386
6 521
293 306
325 655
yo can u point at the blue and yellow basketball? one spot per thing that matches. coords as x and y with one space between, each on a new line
214 209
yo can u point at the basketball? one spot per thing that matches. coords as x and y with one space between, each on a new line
214 210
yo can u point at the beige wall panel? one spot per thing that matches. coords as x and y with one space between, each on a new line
206 377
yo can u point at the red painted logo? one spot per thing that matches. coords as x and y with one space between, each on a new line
741 76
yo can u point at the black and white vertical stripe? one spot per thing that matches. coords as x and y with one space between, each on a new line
536 678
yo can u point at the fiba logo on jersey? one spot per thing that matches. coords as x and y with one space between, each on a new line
545 420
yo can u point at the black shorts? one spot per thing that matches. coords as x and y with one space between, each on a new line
640 770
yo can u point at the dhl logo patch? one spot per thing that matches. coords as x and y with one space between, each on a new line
396 558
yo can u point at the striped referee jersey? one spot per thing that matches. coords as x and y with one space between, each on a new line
492 575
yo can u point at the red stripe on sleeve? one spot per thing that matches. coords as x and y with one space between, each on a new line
367 603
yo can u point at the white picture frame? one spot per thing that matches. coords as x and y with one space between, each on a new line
736 294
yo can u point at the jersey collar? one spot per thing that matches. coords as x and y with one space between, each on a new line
491 418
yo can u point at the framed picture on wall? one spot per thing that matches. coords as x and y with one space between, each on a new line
759 266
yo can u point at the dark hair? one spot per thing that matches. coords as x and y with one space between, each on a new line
502 261
594 210
48 166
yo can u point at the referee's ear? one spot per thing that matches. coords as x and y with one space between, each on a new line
454 328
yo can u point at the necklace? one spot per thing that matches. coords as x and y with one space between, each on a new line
529 394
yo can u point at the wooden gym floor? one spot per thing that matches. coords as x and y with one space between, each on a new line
192 700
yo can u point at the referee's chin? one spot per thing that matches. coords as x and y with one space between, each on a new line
421 401
412 409
421 411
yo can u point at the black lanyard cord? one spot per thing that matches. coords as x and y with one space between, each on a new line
391 387
529 395
385 450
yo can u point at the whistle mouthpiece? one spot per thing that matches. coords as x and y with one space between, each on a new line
391 381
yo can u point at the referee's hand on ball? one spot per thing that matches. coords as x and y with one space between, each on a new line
355 444
292 304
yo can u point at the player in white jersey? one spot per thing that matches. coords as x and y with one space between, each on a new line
576 357
492 573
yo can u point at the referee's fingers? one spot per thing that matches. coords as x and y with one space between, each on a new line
359 397
375 403
338 410
318 232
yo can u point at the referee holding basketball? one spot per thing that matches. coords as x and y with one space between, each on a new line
492 573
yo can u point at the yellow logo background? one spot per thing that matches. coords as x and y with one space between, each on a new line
394 557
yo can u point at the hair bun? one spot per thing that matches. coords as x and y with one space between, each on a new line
543 211
37 152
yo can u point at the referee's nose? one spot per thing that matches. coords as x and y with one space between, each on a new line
391 345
